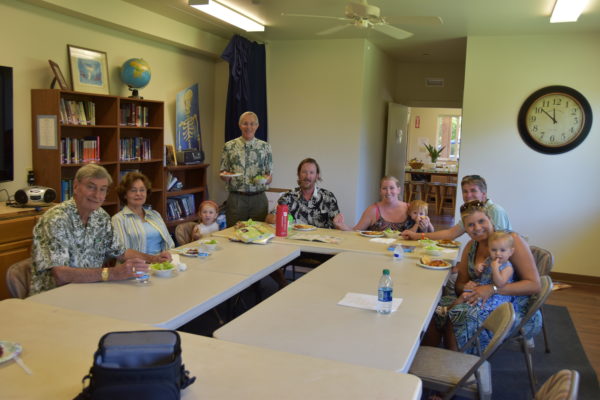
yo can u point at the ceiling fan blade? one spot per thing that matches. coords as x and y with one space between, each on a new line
392 31
333 30
314 16
415 20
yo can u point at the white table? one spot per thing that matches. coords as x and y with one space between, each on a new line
58 346
349 241
171 302
304 318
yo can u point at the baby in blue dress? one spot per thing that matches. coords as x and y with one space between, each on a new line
496 270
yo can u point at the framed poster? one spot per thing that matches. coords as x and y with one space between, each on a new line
58 76
188 121
89 70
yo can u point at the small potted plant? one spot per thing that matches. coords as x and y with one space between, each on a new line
433 152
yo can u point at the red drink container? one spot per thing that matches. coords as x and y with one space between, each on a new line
281 220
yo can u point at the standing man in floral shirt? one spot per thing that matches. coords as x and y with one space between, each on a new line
246 166
73 239
308 203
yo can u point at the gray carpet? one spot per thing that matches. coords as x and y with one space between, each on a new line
509 373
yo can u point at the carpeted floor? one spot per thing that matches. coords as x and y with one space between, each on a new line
509 372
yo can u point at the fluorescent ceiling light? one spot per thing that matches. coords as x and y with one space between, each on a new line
226 14
567 10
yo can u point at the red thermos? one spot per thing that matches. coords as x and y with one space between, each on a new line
281 220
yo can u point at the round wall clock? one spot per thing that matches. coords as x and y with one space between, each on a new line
554 119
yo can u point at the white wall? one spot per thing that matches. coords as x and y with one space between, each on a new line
314 92
552 199
27 50
411 90
378 81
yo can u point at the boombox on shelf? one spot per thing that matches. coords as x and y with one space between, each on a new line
35 196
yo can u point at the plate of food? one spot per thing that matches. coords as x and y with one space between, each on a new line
193 252
453 244
164 269
9 350
371 234
433 263
303 227
230 174
427 242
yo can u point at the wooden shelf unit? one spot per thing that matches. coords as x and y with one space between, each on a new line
193 178
47 163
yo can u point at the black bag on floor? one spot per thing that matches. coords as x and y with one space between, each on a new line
137 365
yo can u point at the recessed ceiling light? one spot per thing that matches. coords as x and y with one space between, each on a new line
567 10
226 14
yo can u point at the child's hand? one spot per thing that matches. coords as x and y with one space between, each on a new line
424 222
479 268
496 263
470 285
196 233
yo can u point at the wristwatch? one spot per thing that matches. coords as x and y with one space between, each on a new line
104 274
495 289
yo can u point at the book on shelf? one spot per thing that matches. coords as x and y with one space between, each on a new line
171 181
66 189
133 115
74 112
135 149
179 207
80 150
124 172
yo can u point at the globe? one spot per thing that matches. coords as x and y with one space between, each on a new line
136 74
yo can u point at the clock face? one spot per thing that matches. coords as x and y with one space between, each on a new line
555 119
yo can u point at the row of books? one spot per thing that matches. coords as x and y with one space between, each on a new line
135 149
77 112
173 183
180 207
79 150
133 115
66 189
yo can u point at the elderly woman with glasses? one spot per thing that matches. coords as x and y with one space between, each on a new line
136 227
462 320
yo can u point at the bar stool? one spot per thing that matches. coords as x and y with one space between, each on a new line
434 192
448 194
416 188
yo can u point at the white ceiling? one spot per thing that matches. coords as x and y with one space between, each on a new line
442 43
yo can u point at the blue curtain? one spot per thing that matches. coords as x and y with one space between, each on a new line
247 89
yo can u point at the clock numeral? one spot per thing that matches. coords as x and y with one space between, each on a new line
538 110
551 139
533 118
567 104
545 103
563 137
576 120
534 128
557 102
542 135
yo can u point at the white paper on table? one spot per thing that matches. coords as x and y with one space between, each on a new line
366 301
382 240
175 259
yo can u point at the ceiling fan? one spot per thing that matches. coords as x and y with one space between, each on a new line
363 15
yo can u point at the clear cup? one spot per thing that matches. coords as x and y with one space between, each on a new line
142 277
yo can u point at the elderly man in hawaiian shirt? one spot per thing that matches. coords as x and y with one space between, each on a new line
308 203
246 166
72 240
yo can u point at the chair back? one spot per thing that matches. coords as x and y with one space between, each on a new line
499 322
536 301
18 278
544 260
183 232
563 385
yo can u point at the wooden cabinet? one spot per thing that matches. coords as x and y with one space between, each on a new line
193 179
121 134
16 232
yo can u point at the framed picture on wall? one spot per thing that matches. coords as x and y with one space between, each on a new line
89 70
58 76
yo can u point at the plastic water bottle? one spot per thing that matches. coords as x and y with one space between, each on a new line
398 253
222 222
384 294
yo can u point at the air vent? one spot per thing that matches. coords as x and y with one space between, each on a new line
434 82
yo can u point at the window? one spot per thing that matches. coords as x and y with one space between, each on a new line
448 135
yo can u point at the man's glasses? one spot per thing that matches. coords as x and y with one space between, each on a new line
472 205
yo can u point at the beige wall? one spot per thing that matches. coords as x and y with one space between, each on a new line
427 130
552 199
173 69
410 88
315 104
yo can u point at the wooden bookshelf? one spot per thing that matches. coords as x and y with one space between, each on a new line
193 178
107 123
